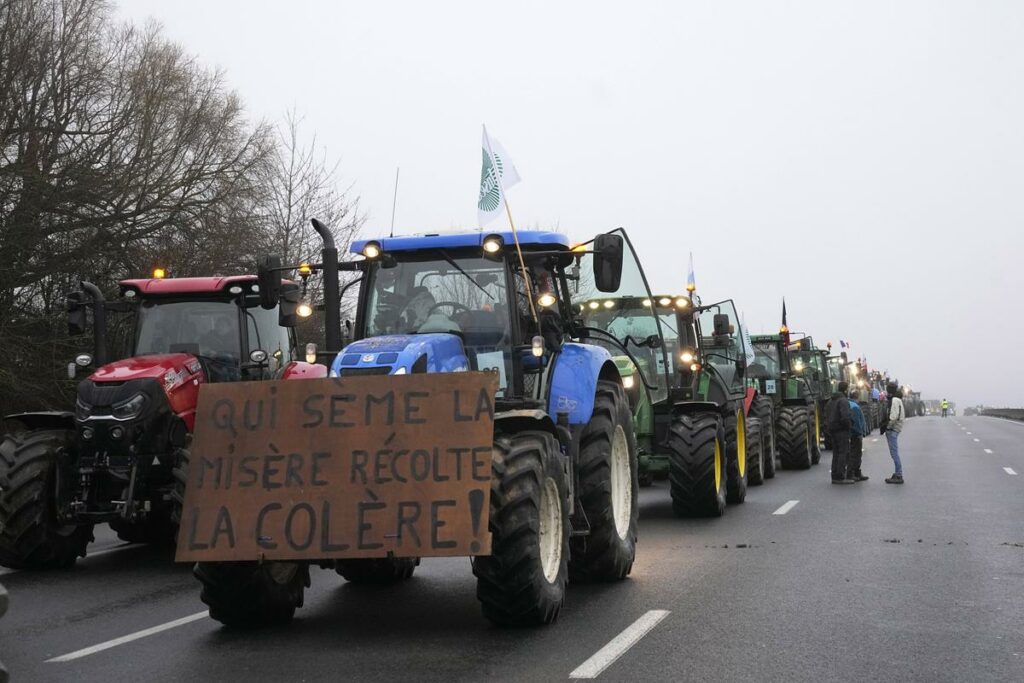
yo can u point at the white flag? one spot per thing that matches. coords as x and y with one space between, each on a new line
751 357
497 174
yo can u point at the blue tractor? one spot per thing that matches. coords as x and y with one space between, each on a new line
563 498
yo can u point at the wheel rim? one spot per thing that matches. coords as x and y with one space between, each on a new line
718 465
622 483
817 426
550 530
741 443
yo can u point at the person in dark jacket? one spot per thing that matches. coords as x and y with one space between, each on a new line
838 422
858 431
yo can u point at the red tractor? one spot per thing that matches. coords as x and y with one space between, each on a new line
113 458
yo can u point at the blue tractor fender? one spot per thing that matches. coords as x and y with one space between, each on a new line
405 353
574 378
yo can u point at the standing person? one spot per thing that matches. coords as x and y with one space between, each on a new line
837 421
893 426
945 407
858 430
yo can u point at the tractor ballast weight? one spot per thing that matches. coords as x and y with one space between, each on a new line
441 304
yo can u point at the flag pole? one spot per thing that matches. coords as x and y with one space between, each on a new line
394 202
515 234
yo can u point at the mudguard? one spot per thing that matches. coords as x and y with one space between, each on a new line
51 419
574 380
431 353
687 407
302 370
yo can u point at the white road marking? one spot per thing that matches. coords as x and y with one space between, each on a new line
5 571
977 440
789 505
85 652
988 450
874 440
1009 470
619 645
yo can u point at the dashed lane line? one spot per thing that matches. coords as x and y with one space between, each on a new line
145 633
619 645
988 450
968 433
977 440
1009 470
786 507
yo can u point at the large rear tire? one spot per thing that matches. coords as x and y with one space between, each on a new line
252 594
736 457
381 571
755 452
608 490
763 409
794 437
696 445
30 535
522 582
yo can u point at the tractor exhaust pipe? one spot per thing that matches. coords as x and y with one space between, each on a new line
99 322
332 298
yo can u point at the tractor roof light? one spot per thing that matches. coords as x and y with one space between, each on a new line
682 302
372 250
546 300
304 309
493 244
609 304
159 273
305 270
594 305
665 301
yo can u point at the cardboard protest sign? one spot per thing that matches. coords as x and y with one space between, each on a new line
340 468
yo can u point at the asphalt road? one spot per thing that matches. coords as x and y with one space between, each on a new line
867 582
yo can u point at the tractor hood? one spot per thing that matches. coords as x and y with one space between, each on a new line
170 369
401 354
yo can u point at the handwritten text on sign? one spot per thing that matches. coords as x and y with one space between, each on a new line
340 468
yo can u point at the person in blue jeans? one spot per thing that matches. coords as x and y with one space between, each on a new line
893 426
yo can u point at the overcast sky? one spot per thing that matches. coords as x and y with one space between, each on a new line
863 159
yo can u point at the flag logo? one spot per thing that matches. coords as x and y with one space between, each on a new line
490 192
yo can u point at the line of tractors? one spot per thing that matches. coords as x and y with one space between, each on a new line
605 386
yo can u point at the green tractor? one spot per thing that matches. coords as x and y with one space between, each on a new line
697 423
785 375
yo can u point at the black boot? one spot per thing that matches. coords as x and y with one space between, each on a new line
857 476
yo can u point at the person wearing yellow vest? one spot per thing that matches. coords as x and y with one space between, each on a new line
945 407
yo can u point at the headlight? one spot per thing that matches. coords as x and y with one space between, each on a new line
628 381
82 409
686 356
130 408
401 371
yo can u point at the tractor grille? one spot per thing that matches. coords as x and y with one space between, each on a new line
357 372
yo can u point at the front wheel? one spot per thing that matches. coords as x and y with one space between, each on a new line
764 410
608 489
252 594
755 452
696 445
794 437
736 457
32 535
522 582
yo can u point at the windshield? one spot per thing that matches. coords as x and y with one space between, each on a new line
207 328
465 296
766 354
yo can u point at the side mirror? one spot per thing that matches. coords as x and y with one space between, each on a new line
722 325
76 314
653 341
288 302
268 276
608 249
